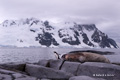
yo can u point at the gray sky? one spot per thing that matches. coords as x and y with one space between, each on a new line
104 13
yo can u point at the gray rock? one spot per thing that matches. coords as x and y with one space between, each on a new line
27 78
5 77
56 64
18 75
70 67
44 63
14 66
84 78
44 72
7 71
45 79
100 70
116 63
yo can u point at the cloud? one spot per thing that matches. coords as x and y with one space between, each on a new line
104 13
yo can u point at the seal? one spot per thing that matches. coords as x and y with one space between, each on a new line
84 57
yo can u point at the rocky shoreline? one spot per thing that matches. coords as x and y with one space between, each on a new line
59 70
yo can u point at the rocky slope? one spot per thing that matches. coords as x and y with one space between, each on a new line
34 32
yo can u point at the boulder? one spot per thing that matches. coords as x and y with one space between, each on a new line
84 78
116 63
5 77
13 66
100 70
56 64
18 75
26 78
70 67
44 63
45 79
7 71
47 73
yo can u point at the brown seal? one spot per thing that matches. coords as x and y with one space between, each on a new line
83 57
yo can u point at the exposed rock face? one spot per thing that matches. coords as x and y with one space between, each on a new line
47 39
26 78
67 37
63 34
105 41
56 64
5 77
43 72
99 70
14 66
14 75
68 71
70 67
44 63
84 78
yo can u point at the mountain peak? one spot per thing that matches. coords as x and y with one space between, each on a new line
46 34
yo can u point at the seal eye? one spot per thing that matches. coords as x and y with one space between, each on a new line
64 56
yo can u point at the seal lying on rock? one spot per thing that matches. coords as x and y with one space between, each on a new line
84 57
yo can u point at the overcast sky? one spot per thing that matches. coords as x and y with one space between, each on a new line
103 13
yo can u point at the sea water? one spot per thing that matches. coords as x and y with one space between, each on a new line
8 54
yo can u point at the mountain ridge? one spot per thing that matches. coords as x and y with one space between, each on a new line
35 32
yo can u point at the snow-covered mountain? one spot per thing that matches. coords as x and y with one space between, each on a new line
34 32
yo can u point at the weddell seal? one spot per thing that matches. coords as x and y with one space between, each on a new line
83 57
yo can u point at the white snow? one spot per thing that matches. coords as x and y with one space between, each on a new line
18 33
17 36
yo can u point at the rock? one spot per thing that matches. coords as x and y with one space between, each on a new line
70 67
5 77
26 78
18 75
116 63
47 73
7 71
100 70
56 64
84 78
14 66
45 79
44 63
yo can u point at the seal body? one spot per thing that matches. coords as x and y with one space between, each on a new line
85 57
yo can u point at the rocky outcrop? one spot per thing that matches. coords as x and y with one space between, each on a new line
47 39
14 75
70 67
59 70
56 64
107 71
84 78
14 66
49 73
